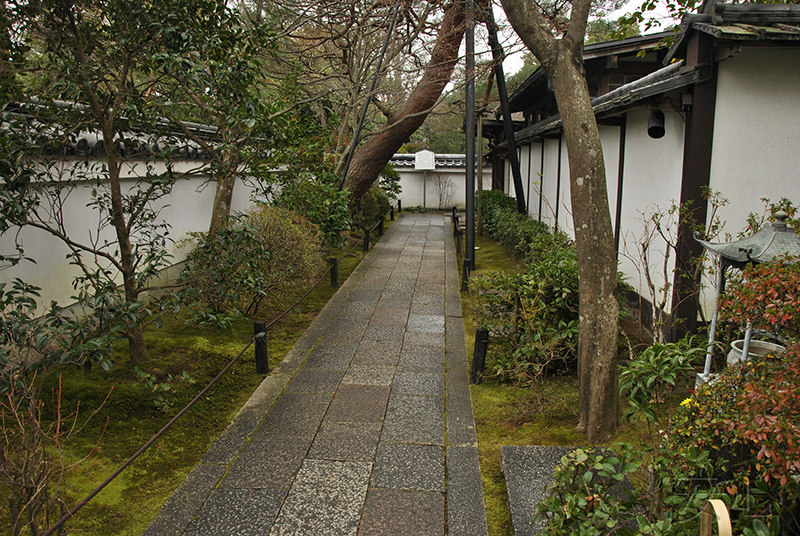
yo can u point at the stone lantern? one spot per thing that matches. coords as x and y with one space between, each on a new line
767 245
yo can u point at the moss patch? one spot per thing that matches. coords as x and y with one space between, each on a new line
129 417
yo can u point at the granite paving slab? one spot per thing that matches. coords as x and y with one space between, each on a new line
418 383
325 500
359 403
315 381
414 419
346 441
238 512
331 356
366 426
369 375
391 512
417 358
464 491
528 471
377 353
412 467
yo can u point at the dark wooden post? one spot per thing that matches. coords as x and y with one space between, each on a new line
479 355
334 272
262 358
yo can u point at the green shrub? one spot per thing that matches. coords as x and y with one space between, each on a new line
533 316
390 181
160 392
534 329
767 295
371 208
35 347
747 419
736 439
654 374
264 258
318 199
493 203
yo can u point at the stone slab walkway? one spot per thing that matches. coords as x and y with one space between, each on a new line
366 427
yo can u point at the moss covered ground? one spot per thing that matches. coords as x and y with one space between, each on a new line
128 411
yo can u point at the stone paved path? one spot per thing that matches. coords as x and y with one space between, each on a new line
366 428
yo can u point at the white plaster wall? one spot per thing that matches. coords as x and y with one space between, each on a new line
756 136
756 150
411 183
531 178
651 181
609 138
549 181
415 192
565 223
187 209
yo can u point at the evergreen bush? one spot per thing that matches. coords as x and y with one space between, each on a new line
262 259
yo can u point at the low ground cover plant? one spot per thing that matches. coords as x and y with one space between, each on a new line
33 433
72 453
533 316
736 438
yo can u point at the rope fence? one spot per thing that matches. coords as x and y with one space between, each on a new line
262 367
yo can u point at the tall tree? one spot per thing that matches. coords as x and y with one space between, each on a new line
214 75
121 73
373 155
555 34
332 48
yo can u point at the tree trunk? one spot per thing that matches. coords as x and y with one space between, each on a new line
134 332
136 343
597 266
223 198
371 158
594 236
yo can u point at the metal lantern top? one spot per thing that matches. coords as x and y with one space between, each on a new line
772 241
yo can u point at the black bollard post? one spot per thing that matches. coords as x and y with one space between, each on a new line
479 355
334 272
399 206
458 242
262 358
366 240
392 213
455 225
465 276
380 227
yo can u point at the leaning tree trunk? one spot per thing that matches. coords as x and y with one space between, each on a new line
371 158
594 235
